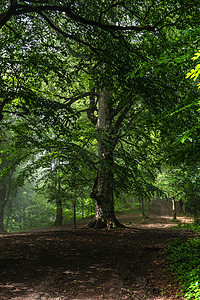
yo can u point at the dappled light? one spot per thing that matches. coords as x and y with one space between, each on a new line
99 149
87 264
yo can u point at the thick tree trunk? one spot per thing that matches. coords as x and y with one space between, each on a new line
103 187
103 194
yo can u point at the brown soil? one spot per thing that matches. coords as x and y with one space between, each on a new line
63 263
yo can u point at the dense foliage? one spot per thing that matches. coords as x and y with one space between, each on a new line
92 97
184 264
194 73
96 113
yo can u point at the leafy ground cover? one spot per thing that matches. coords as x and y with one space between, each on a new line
195 226
184 262
63 263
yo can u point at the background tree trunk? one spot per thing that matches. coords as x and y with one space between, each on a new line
174 209
5 189
59 210
2 205
59 216
75 202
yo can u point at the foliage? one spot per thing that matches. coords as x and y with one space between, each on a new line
182 183
128 203
184 262
194 73
57 59
25 202
189 134
195 226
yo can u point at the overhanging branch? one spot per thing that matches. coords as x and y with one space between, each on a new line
39 6
68 11
21 9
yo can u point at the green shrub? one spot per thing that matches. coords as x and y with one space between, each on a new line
191 226
184 262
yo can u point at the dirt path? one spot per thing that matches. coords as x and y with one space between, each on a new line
88 264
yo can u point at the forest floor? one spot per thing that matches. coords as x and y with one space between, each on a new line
62 263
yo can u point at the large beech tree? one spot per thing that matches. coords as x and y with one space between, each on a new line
118 45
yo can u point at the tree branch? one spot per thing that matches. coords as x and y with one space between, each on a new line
36 1
121 118
23 8
148 10
5 17
78 55
2 104
132 118
107 27
60 31
111 6
73 99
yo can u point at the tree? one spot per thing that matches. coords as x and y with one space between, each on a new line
8 162
3 201
118 45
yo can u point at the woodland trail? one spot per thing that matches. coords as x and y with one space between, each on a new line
85 264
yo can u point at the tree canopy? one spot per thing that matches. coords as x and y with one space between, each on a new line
97 86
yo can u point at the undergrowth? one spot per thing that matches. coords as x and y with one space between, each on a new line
191 226
184 263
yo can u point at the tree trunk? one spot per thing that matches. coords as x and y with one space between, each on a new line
174 209
195 209
75 208
103 194
59 210
143 207
181 207
57 188
82 208
5 189
2 205
59 216
103 187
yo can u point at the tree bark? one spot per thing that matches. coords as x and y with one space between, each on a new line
59 216
2 205
102 191
181 207
59 210
174 209
5 189
75 207
143 207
